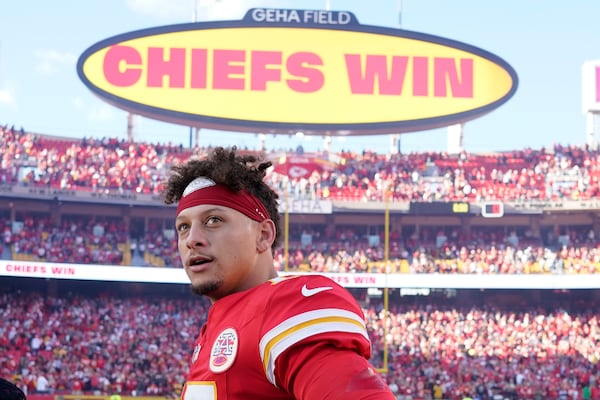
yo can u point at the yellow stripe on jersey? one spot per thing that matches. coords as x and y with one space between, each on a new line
302 326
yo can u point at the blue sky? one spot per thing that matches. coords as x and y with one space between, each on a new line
545 41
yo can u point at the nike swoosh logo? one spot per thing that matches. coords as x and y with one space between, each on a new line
306 292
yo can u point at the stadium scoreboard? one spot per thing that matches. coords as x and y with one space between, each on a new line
440 208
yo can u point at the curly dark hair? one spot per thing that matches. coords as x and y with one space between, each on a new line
10 391
236 171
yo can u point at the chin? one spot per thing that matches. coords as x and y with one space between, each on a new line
204 288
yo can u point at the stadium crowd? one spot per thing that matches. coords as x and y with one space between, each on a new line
109 164
141 345
95 240
563 172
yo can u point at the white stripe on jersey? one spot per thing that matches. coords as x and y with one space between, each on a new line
301 326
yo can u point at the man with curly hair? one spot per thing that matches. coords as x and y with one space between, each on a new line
266 336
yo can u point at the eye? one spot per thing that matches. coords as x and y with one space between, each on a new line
182 227
212 220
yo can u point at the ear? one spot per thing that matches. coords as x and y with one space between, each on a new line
266 235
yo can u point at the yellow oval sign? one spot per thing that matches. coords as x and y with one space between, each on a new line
288 70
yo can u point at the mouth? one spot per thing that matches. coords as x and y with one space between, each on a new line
199 263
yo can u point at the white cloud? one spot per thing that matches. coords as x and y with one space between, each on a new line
7 97
50 60
200 10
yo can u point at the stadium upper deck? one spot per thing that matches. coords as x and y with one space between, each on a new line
336 214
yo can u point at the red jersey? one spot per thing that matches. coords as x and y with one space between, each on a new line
241 350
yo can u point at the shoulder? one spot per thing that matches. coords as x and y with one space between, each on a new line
313 303
306 310
309 301
310 292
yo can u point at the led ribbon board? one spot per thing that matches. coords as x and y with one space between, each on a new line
282 71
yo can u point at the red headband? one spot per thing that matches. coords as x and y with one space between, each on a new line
203 190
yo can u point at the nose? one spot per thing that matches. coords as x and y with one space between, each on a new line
196 237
